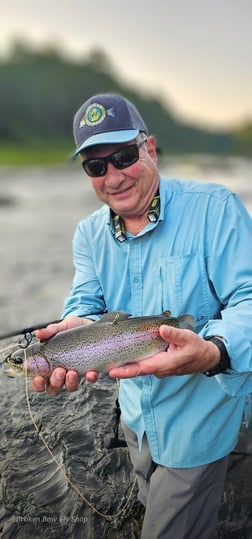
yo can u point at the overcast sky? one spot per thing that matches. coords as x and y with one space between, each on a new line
194 54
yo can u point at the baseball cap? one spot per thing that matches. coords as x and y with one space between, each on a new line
106 119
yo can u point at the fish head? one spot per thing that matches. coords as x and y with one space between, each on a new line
16 364
28 361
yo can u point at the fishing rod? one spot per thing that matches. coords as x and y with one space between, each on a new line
26 334
24 331
31 329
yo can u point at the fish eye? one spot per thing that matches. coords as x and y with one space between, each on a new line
17 360
14 360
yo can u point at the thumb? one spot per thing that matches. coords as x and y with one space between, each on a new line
173 335
47 332
69 322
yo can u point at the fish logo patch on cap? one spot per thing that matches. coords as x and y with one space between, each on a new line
95 114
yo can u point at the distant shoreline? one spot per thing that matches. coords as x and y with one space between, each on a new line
13 155
17 155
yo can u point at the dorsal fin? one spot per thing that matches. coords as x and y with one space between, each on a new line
113 317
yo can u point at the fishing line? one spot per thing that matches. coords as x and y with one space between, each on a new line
61 467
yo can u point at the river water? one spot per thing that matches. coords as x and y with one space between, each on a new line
39 209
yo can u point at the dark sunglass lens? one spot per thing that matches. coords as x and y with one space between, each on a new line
125 157
95 167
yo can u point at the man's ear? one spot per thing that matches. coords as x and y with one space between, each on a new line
152 148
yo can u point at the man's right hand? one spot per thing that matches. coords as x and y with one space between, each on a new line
60 376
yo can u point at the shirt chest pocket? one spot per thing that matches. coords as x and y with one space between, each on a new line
184 288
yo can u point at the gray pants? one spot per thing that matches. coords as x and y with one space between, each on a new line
181 503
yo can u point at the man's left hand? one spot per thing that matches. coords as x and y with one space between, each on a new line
187 353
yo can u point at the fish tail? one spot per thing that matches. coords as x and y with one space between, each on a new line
186 321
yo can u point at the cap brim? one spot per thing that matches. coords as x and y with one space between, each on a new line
110 137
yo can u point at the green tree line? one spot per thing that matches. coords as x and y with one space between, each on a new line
40 91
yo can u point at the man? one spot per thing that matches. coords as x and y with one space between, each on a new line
161 244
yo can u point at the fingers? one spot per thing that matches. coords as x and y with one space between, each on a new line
68 323
49 331
166 333
186 354
58 379
72 381
176 360
38 384
176 336
91 376
59 376
138 368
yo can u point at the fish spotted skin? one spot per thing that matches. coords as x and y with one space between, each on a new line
114 340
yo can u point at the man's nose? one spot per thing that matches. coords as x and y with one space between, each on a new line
114 175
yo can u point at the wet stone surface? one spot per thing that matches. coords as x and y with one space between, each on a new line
39 211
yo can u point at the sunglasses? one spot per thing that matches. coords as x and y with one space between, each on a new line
122 158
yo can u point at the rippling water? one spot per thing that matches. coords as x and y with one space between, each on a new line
39 209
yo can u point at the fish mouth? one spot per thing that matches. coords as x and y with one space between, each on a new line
15 366
13 372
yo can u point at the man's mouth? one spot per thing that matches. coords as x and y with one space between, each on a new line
120 192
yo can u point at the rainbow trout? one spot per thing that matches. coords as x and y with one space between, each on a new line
114 340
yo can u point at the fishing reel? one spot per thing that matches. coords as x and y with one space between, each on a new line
112 441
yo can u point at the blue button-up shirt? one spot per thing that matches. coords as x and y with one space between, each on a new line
196 259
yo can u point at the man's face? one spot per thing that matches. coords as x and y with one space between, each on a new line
127 191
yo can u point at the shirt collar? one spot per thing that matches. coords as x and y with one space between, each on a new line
118 227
